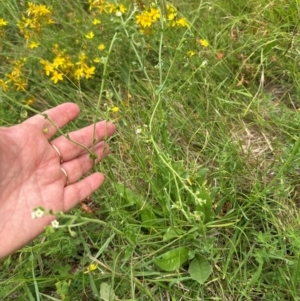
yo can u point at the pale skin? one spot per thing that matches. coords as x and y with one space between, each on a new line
31 177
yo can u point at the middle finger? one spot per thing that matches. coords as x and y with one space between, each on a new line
84 136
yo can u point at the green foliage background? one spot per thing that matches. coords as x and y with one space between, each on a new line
201 198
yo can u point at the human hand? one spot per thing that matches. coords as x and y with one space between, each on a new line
31 174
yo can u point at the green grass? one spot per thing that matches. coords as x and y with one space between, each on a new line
220 127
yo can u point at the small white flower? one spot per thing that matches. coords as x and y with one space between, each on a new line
118 13
176 206
138 131
204 63
103 59
55 224
37 213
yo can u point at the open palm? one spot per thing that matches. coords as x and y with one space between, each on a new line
31 175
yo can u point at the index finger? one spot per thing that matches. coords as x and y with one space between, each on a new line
60 116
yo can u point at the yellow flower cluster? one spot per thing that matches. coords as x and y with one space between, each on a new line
62 66
33 20
151 15
105 7
148 17
76 65
15 79
173 19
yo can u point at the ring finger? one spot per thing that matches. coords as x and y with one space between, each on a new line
76 168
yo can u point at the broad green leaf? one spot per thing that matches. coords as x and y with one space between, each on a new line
170 233
201 175
106 292
148 218
200 269
172 260
131 197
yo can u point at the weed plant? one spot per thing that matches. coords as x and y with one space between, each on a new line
202 196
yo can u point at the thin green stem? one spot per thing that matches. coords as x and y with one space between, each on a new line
52 123
102 223
104 75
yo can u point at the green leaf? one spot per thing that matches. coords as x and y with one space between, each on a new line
170 234
131 197
205 204
106 292
172 260
62 270
201 175
148 218
62 289
200 269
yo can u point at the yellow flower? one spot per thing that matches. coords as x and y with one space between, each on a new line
90 35
37 10
96 21
29 102
97 60
17 71
90 268
21 85
33 44
101 7
58 61
50 21
3 22
191 53
47 66
56 76
114 109
89 71
48 69
12 77
172 16
79 73
3 85
203 42
182 22
144 20
154 14
122 8
111 8
101 46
